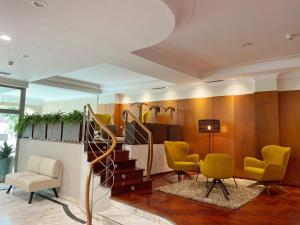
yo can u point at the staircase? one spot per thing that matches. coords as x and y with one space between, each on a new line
110 162
127 177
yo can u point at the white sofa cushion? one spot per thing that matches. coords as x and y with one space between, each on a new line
49 167
33 164
31 182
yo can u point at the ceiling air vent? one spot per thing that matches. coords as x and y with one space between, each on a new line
213 81
5 73
158 88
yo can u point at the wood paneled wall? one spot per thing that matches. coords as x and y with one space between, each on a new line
248 122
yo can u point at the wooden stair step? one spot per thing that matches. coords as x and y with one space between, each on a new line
119 155
102 146
122 175
119 164
130 186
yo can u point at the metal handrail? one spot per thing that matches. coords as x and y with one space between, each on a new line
125 114
95 161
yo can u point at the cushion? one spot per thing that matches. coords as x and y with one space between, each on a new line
33 164
31 182
255 173
49 167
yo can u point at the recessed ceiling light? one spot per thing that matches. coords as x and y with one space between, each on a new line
5 37
39 3
233 79
291 36
25 56
247 44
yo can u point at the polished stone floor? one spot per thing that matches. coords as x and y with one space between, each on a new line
46 210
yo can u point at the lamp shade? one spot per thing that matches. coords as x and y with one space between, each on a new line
206 126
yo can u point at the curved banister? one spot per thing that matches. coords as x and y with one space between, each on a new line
95 161
125 114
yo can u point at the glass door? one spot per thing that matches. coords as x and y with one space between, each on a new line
11 109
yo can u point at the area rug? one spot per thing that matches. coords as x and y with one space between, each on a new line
192 189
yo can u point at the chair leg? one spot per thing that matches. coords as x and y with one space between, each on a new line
9 189
55 193
30 197
212 184
224 190
179 176
235 182
197 175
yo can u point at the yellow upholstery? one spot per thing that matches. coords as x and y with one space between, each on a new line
217 166
104 118
145 117
272 168
179 157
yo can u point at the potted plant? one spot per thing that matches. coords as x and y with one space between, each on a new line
39 127
24 127
72 123
6 160
54 125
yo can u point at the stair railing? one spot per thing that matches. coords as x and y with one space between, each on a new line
104 145
128 117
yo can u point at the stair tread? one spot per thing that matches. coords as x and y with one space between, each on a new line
117 171
98 151
125 160
131 182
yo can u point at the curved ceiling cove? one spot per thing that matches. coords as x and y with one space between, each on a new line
70 35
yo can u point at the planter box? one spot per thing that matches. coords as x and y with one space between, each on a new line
28 131
6 167
71 132
39 131
54 131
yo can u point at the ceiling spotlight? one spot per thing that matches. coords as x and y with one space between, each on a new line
233 79
25 56
247 44
291 36
39 3
5 37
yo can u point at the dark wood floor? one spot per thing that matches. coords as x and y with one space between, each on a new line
278 209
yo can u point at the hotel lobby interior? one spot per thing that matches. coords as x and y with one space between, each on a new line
149 112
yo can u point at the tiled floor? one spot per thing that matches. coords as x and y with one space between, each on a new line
14 210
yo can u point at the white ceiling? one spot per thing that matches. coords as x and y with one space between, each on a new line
213 31
38 94
72 34
114 78
141 44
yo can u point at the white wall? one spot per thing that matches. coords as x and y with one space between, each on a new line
69 105
70 154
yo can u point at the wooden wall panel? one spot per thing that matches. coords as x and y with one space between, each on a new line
223 109
266 119
244 138
186 118
290 133
203 110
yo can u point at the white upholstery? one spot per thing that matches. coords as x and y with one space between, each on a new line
33 164
43 173
49 167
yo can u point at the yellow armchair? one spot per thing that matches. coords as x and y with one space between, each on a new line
217 166
179 157
272 169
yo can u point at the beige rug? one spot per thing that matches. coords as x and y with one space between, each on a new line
196 191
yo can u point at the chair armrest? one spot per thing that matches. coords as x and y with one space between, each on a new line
193 158
253 162
273 172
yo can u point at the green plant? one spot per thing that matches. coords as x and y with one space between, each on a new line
73 117
36 118
6 150
23 123
52 118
